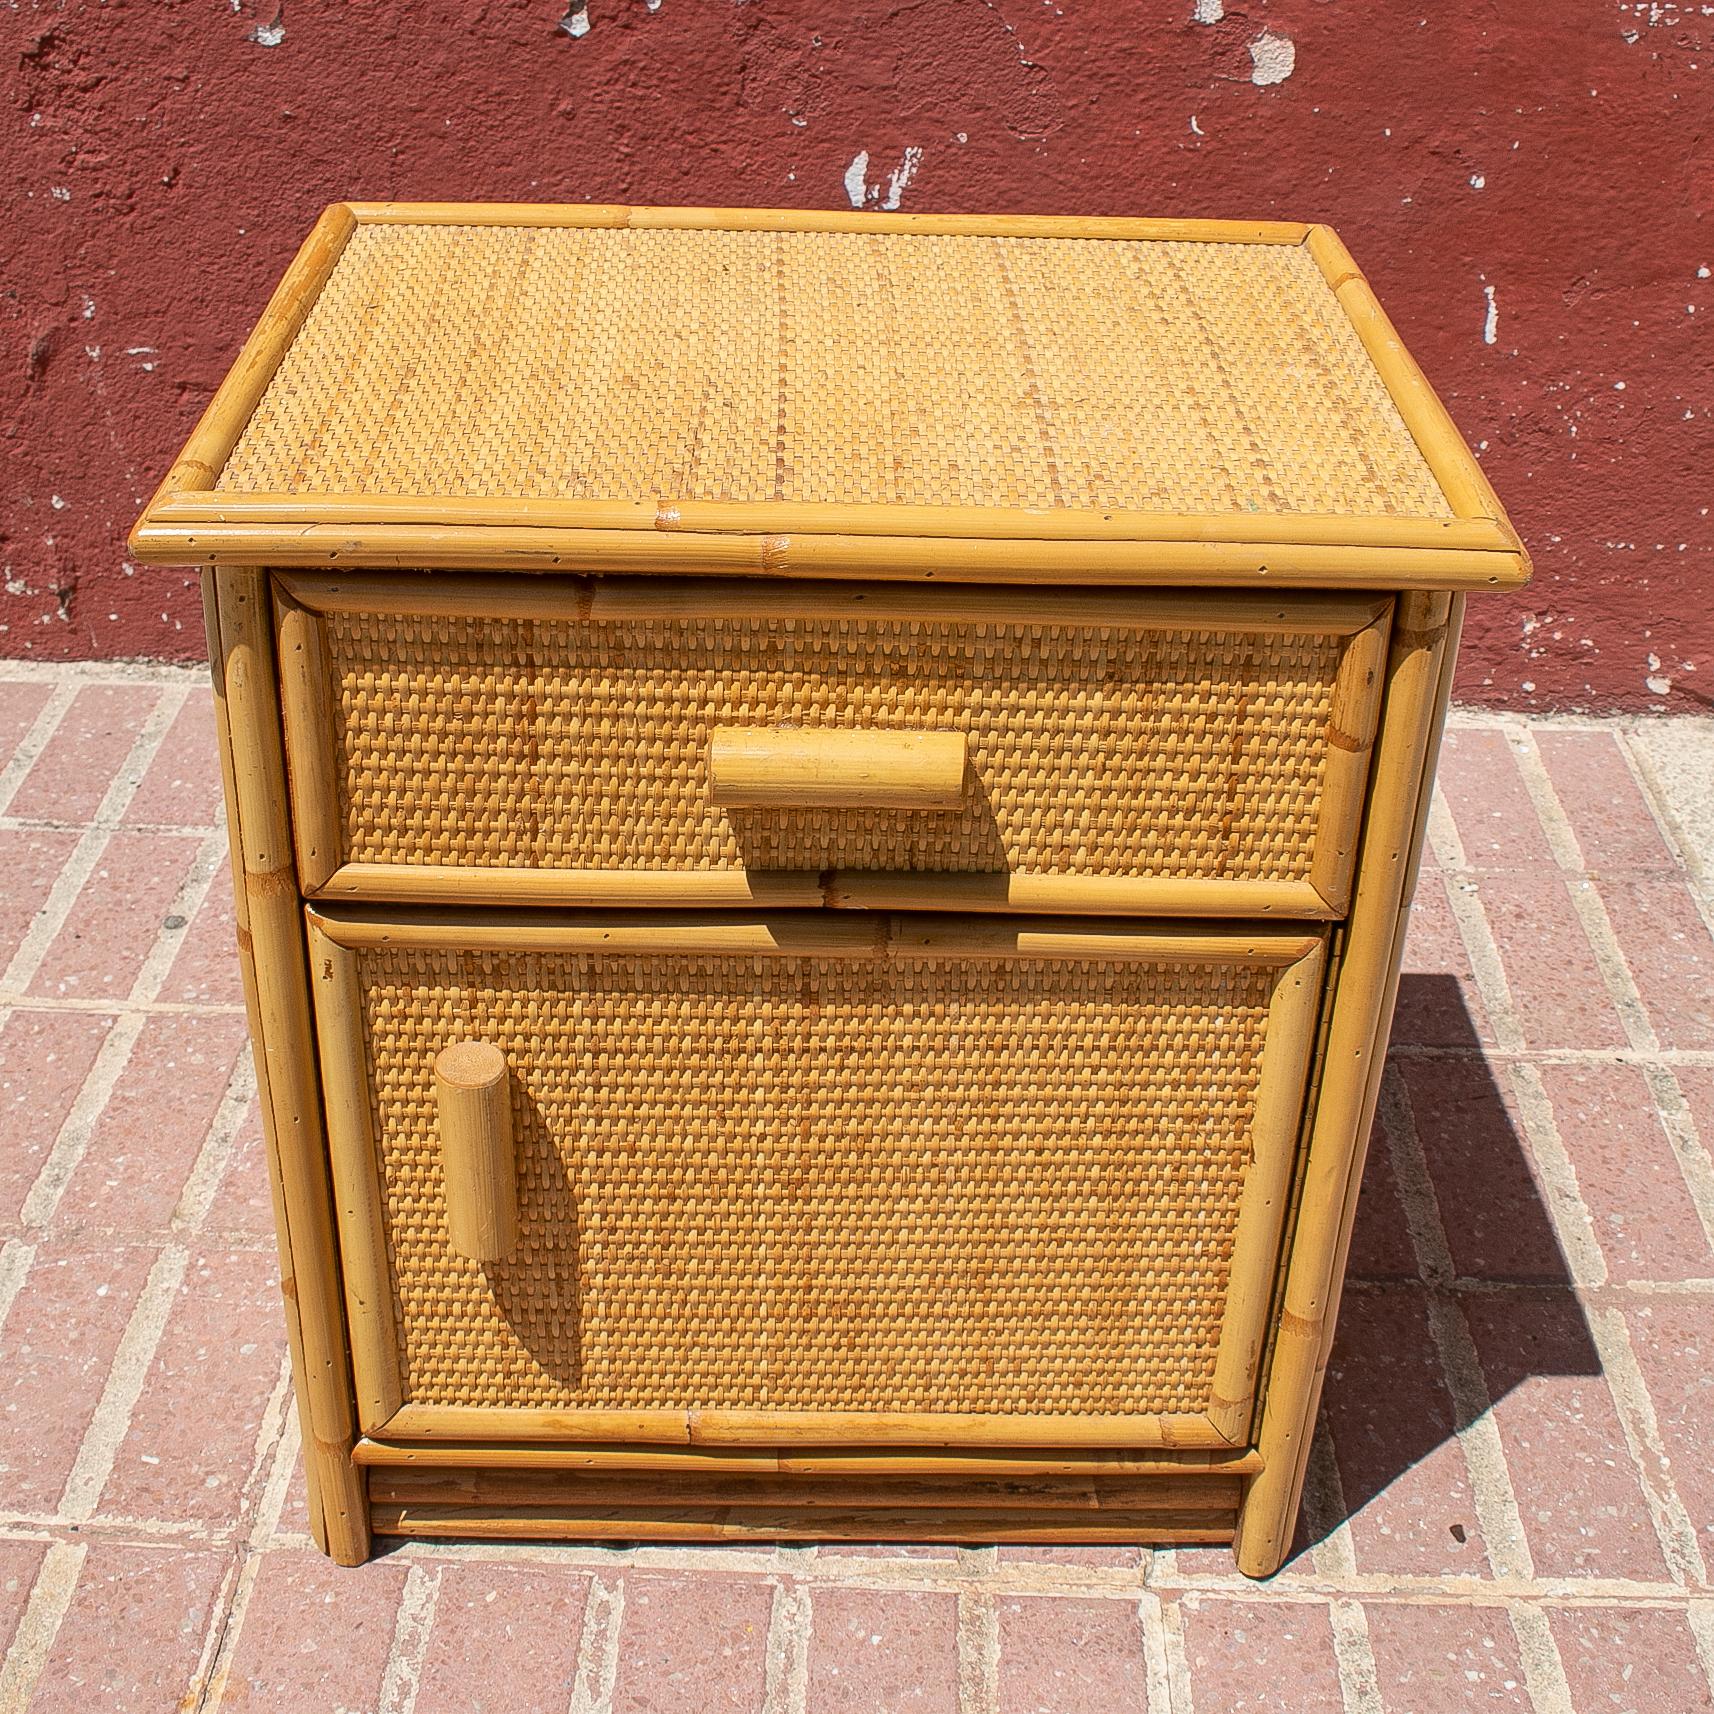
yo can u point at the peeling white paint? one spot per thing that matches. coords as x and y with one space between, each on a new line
1272 59
1491 321
854 187
270 35
1209 11
1478 182
575 23
1196 128
900 178
1659 14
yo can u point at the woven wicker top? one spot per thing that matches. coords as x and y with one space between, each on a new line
861 368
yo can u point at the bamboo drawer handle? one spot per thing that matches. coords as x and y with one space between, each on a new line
473 1092
774 767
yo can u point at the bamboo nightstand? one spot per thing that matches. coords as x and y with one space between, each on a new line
825 806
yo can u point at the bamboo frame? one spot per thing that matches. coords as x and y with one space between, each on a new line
336 935
836 889
768 552
1419 679
533 1490
808 1460
311 741
1185 1527
270 945
187 522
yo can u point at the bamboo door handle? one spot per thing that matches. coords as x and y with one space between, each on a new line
473 1092
779 767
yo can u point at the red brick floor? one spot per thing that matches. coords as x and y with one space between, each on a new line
1510 1505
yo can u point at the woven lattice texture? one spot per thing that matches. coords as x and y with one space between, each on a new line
755 366
566 745
816 1184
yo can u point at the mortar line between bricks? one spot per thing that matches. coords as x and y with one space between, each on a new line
1591 911
44 1612
1634 1407
36 740
1354 1655
1477 1433
202 1675
1698 1058
16 1255
1538 1654
78 1127
1445 843
1685 1142
785 1655
1486 969
978 1651
96 824
598 1647
1699 1616
1176 1658
126 1373
256 1489
1567 1211
196 1196
218 1238
181 910
1151 1633
226 1627
1686 857
54 1526
902 1576
12 1001
412 1624
86 854
265 1529
82 673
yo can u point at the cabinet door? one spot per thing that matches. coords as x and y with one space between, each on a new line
830 1177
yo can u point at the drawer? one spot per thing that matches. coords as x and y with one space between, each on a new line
502 740
810 1177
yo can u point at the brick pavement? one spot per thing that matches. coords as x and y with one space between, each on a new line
1511 1500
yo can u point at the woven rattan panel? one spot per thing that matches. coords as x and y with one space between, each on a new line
851 367
1093 750
820 1184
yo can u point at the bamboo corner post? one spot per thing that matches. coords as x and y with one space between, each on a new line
738 851
473 1096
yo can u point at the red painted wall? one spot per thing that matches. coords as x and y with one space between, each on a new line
1527 185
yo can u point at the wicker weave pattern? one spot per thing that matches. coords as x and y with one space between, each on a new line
735 1176
1093 750
847 367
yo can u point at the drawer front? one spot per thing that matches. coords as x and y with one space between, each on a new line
515 740
930 1180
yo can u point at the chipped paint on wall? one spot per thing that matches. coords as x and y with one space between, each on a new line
863 194
855 188
1272 58
1491 320
1209 11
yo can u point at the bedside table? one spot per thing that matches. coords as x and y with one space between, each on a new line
824 808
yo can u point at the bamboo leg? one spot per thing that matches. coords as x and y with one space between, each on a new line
270 944
1419 682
